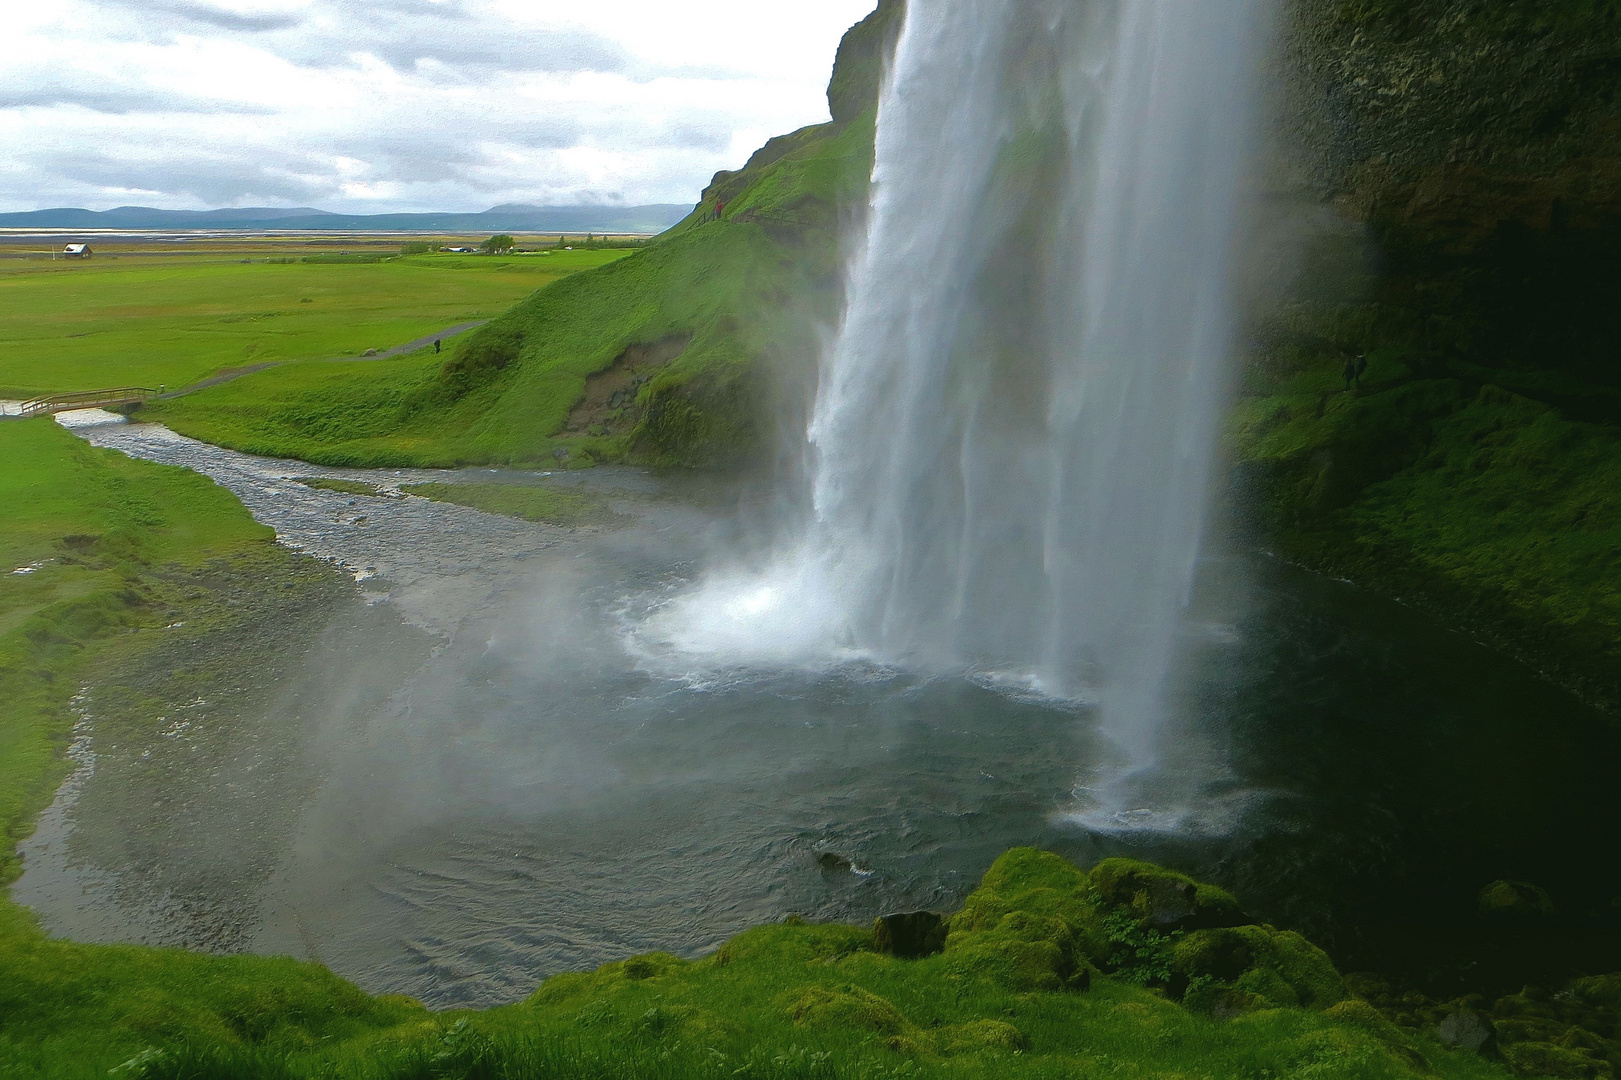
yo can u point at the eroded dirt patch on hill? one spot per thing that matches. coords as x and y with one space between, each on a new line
609 406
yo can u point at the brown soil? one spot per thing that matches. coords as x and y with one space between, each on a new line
609 406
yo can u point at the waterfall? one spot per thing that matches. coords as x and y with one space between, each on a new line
1014 429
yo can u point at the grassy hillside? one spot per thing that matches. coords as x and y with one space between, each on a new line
684 353
135 320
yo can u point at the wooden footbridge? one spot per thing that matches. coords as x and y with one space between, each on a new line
82 399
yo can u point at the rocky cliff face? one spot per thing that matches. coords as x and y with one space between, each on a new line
1451 117
1466 157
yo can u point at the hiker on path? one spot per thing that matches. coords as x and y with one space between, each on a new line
436 345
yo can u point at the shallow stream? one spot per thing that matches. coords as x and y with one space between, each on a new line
484 773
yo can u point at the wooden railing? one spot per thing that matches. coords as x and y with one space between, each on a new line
83 399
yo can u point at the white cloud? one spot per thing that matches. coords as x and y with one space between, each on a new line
399 104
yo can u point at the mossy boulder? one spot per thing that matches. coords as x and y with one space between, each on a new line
1038 922
1356 1013
1553 1059
1515 902
977 1036
1164 900
1273 967
830 1008
1025 927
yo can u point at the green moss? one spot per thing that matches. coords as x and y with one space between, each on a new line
1515 901
1552 1059
1163 897
824 1008
978 1036
1274 967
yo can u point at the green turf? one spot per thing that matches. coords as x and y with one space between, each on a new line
172 320
520 501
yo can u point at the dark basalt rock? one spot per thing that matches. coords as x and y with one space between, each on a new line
1468 1030
831 862
909 935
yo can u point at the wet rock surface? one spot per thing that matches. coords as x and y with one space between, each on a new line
910 935
1468 1030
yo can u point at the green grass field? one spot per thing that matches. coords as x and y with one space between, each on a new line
146 320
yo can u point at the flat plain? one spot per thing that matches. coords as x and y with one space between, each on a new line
171 319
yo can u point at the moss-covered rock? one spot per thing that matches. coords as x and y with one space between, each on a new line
1163 899
849 1006
979 1035
1553 1059
1274 967
858 69
1026 926
1038 922
1469 154
1515 902
1363 1016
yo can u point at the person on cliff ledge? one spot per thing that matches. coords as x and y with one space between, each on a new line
1349 373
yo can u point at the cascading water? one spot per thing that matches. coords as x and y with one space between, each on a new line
1014 430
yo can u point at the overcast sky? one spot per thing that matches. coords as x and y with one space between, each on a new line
377 105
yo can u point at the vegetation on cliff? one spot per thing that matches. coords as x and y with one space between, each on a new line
1473 152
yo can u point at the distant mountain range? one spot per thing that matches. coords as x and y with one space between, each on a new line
506 218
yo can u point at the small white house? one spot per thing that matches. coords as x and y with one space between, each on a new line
77 251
